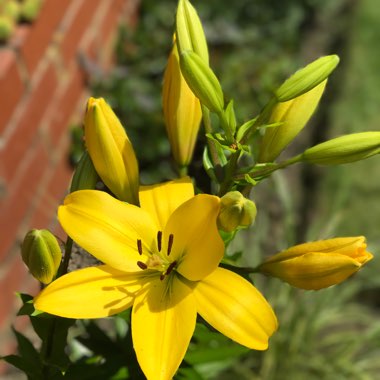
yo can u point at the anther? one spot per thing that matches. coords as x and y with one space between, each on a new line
159 240
170 268
142 265
139 246
170 244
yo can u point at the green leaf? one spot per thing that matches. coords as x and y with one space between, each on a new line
244 129
53 332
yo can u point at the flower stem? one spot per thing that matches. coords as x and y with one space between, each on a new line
66 259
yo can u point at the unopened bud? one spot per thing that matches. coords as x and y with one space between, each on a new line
42 255
189 30
202 81
235 211
307 78
293 116
344 149
318 264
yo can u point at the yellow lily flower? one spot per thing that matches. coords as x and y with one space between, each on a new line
111 150
318 264
182 111
161 259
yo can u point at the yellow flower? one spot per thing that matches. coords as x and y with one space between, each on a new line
111 151
318 264
161 259
182 111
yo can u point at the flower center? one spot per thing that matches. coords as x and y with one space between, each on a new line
158 260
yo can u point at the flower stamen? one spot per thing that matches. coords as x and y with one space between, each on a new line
170 244
159 240
169 270
142 265
139 246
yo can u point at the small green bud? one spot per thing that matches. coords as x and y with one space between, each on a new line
189 30
12 9
30 9
85 175
6 27
202 81
307 78
235 211
42 255
344 149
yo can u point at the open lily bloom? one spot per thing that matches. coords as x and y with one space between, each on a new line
162 259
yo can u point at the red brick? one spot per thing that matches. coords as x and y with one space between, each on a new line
108 23
25 132
65 105
77 28
10 84
21 195
9 284
42 30
55 191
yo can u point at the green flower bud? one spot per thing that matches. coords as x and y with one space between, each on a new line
344 149
6 27
85 175
235 211
189 30
42 255
307 78
30 9
202 81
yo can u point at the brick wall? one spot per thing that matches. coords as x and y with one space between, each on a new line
42 92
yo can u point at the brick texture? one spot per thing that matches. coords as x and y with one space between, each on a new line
43 77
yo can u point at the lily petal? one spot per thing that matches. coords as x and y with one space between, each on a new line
161 200
107 228
93 292
197 245
163 321
236 308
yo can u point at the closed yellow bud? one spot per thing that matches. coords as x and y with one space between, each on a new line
235 211
344 149
111 151
182 111
318 264
293 116
42 255
202 81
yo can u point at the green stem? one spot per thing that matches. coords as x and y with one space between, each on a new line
226 127
269 170
66 259
229 175
182 171
240 270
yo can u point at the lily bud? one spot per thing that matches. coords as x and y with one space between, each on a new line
42 255
202 81
293 116
318 264
189 30
344 149
85 175
111 151
235 211
307 78
182 111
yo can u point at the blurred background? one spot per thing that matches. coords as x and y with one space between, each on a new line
254 45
